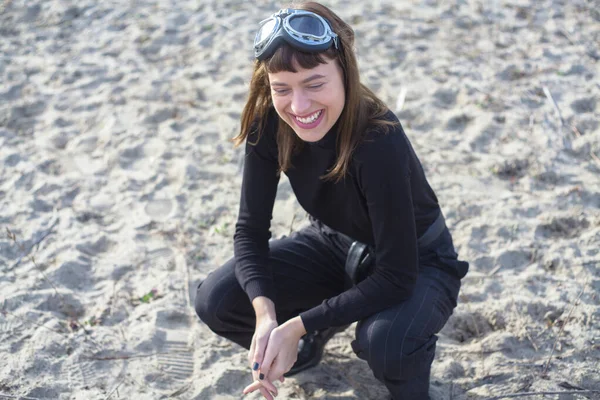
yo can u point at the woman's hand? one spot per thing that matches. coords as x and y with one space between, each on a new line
260 339
266 321
263 330
280 355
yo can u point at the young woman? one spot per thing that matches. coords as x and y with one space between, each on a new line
354 171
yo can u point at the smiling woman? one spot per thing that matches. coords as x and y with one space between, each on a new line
309 100
360 106
354 171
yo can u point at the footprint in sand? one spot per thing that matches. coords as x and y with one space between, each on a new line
88 374
230 381
83 374
563 226
513 259
12 160
161 115
26 113
176 360
458 122
88 165
9 328
94 246
162 258
485 138
465 325
175 356
445 98
584 105
74 274
160 209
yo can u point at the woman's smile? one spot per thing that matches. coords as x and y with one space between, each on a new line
311 100
310 122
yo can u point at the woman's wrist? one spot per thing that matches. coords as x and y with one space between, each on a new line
297 326
264 308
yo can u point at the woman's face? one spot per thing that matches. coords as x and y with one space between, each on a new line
310 100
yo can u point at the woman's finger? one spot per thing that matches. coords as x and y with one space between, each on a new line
268 385
261 383
259 352
251 352
267 363
277 372
256 385
266 393
257 360
253 365
252 387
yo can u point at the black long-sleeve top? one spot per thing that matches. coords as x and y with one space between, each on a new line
384 201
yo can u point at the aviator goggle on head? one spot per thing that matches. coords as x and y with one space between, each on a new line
303 30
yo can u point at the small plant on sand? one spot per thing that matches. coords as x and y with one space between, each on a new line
146 298
222 229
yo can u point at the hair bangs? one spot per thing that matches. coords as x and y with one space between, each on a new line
287 58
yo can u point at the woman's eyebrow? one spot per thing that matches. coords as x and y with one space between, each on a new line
310 78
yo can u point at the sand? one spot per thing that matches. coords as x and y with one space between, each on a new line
119 191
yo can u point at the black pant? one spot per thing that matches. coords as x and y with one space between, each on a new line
398 343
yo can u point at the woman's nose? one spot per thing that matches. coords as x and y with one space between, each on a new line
300 103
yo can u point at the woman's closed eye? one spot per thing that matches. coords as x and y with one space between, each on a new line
311 87
280 91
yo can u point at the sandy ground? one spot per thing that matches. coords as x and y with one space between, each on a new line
119 191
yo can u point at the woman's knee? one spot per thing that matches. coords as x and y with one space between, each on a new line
394 355
201 302
216 297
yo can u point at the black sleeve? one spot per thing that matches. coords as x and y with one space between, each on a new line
252 231
384 178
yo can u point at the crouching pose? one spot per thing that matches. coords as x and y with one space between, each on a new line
377 249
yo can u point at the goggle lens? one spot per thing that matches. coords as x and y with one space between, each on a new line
307 25
265 31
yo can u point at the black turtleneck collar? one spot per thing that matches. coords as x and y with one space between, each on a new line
328 141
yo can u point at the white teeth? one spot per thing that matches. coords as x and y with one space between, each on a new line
310 119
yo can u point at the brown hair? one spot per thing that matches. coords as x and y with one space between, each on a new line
361 109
